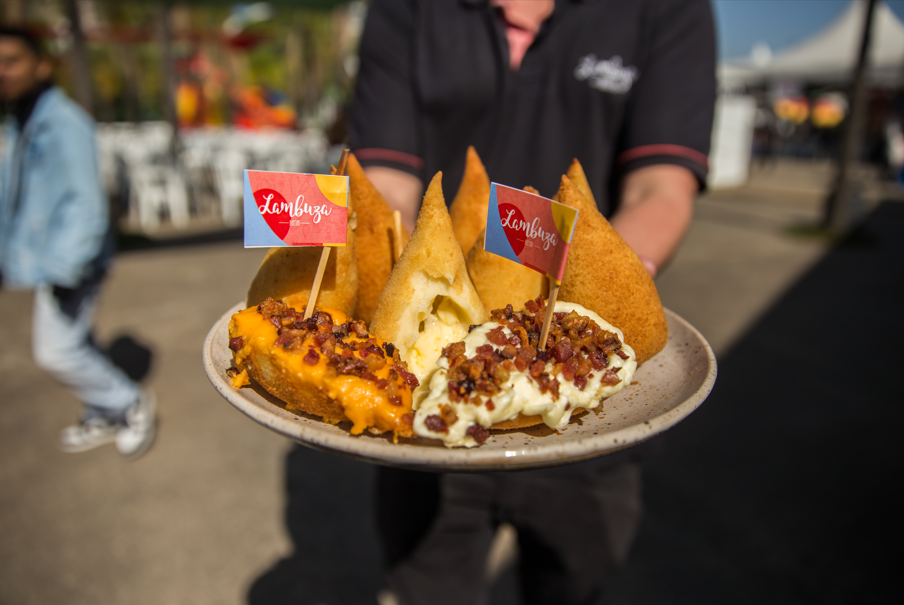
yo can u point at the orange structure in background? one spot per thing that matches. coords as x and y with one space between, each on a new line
201 99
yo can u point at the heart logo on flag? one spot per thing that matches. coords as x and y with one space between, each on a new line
512 224
274 209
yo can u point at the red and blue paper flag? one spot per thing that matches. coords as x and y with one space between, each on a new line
289 209
529 229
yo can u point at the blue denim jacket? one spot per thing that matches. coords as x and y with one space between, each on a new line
54 216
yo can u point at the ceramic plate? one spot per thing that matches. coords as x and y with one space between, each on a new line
664 391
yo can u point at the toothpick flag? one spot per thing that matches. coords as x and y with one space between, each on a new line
288 209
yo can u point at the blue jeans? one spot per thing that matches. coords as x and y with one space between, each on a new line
63 347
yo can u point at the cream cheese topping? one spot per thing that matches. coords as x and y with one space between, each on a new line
521 393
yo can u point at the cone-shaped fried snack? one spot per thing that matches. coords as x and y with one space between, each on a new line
429 301
606 276
469 208
287 274
374 239
579 179
500 282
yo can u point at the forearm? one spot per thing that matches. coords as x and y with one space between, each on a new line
402 191
656 211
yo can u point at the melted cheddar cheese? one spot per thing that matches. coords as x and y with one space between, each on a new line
364 403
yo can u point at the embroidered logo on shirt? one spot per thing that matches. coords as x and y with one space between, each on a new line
606 75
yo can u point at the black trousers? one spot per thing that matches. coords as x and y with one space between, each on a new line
575 526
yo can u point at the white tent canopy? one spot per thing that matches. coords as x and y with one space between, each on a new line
829 56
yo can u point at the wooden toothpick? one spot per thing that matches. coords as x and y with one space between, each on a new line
343 159
318 277
550 309
397 235
325 255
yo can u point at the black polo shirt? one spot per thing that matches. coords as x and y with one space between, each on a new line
619 84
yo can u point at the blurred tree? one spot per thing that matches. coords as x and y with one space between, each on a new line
81 69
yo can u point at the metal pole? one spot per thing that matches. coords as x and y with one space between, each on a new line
837 212
81 69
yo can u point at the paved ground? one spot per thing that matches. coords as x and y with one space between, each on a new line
760 496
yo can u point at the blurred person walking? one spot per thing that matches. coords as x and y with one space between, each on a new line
56 237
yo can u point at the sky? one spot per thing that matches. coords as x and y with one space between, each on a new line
779 23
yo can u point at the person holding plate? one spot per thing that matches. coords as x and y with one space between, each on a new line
628 88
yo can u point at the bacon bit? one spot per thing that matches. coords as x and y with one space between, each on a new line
448 414
389 348
563 350
622 354
478 433
536 368
607 342
311 357
453 351
525 356
532 306
410 378
598 360
515 340
382 384
509 351
610 377
497 336
484 350
580 382
436 424
351 366
407 419
490 405
358 328
237 343
368 376
547 383
570 369
395 400
290 339
322 319
584 365
501 373
567 406
374 363
232 372
373 350
472 326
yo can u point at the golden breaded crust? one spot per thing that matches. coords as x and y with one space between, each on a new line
431 266
606 276
577 176
374 239
500 282
469 208
518 422
287 274
303 398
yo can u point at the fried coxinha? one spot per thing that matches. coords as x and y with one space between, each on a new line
430 323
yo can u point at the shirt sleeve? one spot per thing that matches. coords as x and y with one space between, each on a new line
80 217
670 114
384 126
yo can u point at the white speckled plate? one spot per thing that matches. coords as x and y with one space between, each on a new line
665 390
